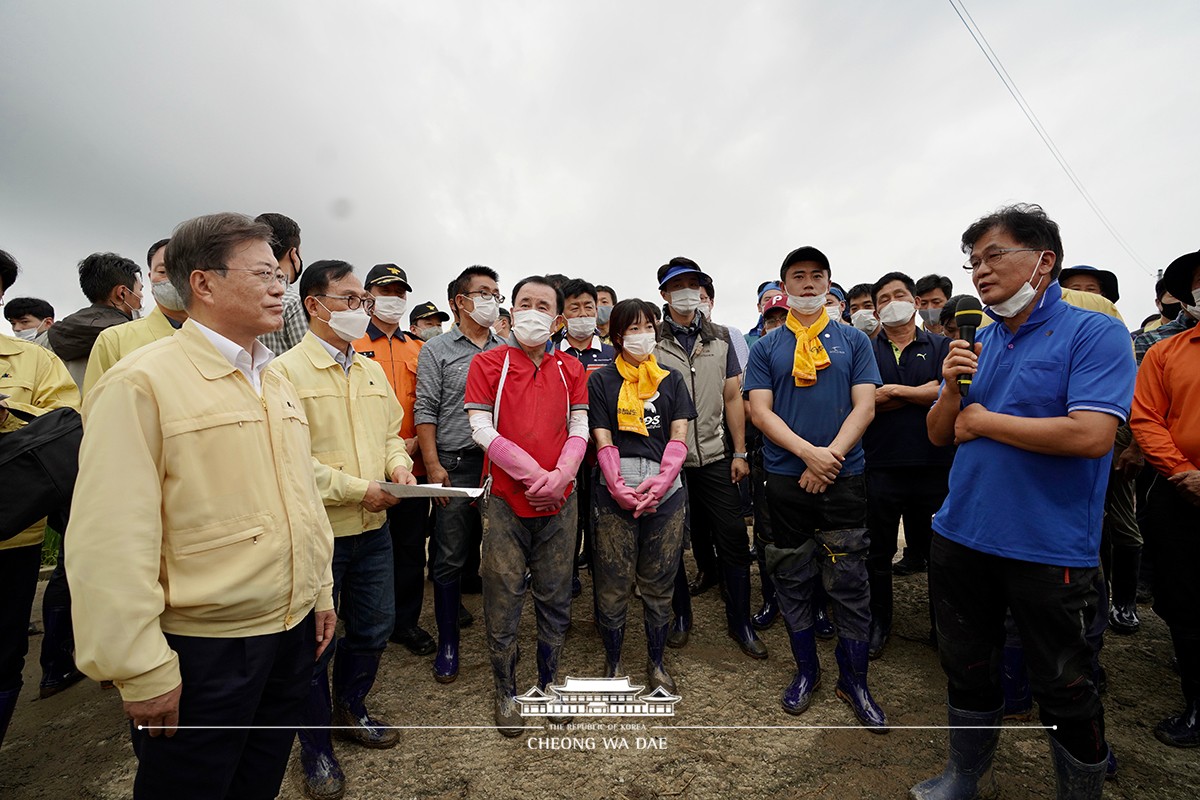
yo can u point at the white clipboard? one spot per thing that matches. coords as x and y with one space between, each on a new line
403 491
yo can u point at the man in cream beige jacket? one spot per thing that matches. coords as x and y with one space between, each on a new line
354 419
200 555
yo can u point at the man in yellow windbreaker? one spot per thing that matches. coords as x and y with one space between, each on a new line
354 419
200 552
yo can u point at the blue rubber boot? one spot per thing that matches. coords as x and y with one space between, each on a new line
968 773
447 598
852 684
798 695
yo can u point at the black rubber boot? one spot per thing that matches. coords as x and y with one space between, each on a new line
681 606
323 776
879 575
504 671
8 704
968 773
447 599
547 667
58 652
353 677
656 674
737 612
1181 730
798 694
852 684
614 639
1076 780
1126 562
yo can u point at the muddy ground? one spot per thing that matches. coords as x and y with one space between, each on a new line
76 745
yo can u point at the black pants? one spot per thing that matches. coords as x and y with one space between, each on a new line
914 494
1053 608
408 522
1173 544
18 585
255 680
716 508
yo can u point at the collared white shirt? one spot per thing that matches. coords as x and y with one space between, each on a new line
249 364
344 360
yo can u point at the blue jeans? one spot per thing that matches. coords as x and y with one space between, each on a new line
363 591
458 523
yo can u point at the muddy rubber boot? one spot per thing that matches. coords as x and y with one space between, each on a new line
1076 780
1014 680
852 684
353 677
1122 617
323 778
656 673
681 605
968 773
447 600
614 640
737 612
547 667
504 672
8 704
58 648
798 695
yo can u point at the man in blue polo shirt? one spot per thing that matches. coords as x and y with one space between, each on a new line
1021 526
812 394
906 474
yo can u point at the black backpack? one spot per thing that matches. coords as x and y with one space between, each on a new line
38 465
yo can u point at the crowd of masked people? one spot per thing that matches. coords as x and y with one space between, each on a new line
252 439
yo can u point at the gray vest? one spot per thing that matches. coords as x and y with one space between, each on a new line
703 372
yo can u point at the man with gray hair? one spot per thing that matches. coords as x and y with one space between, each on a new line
206 593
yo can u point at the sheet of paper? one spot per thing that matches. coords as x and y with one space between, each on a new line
425 490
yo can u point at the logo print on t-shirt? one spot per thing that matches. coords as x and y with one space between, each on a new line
649 408
649 404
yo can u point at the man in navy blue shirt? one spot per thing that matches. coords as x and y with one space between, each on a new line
1020 528
812 394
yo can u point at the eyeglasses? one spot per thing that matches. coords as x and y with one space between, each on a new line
499 298
353 302
264 275
993 258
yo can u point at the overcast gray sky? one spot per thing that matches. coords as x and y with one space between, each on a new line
596 139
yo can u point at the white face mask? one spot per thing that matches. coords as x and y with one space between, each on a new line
639 344
1195 309
581 327
706 310
864 320
531 327
806 305
348 325
29 334
1021 298
167 296
834 312
428 333
486 311
685 301
390 309
897 313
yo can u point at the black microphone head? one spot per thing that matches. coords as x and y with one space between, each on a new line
969 312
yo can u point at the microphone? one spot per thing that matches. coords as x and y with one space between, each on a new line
969 316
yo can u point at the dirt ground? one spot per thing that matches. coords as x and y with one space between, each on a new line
77 744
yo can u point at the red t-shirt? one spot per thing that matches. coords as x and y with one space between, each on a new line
533 410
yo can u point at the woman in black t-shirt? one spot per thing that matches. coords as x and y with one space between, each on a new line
638 413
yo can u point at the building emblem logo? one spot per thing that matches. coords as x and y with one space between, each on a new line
596 697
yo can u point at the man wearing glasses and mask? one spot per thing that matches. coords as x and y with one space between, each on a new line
1020 528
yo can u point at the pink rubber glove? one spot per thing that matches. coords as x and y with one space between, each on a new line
610 466
656 486
553 485
509 457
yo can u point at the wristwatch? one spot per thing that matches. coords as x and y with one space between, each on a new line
742 456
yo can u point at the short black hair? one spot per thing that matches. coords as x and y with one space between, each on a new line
32 306
602 288
8 271
804 253
888 278
1027 223
285 233
627 313
539 280
463 282
316 279
710 289
931 282
555 279
947 311
860 290
574 288
154 248
100 273
1160 288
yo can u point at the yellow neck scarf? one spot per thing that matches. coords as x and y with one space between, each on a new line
810 353
641 382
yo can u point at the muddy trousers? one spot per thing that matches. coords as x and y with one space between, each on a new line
1053 607
646 549
820 535
543 545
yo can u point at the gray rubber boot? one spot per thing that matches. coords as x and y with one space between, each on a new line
504 671
1076 780
968 773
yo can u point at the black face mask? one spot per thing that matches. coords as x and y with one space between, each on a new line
299 267
1171 310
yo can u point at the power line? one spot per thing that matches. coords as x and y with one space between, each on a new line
994 60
